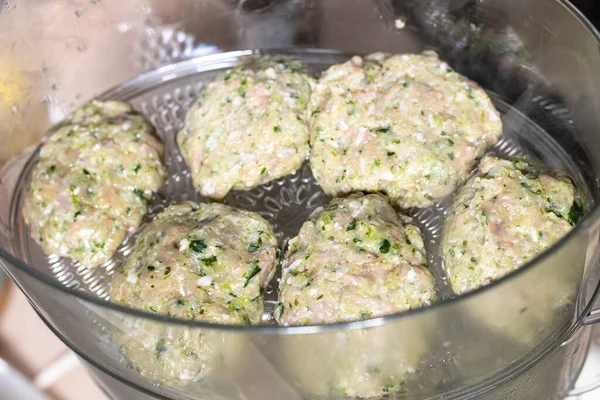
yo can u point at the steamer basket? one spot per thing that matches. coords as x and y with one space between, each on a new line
522 337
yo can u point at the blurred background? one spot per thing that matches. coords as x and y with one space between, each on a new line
29 353
591 8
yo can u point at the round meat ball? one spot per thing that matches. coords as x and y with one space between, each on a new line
403 124
248 127
504 216
206 262
354 259
93 181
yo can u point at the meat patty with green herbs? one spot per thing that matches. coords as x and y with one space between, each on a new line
354 259
248 127
403 124
93 181
504 216
206 262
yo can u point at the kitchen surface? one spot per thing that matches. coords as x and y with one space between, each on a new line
33 350
35 353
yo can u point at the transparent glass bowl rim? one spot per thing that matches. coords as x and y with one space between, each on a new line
590 219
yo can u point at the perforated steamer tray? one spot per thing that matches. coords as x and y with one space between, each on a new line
164 97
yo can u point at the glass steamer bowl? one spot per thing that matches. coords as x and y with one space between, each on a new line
522 337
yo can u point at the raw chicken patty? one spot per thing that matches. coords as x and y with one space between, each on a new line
504 216
93 181
404 124
248 127
207 262
353 259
